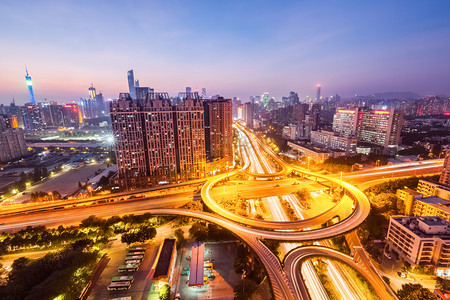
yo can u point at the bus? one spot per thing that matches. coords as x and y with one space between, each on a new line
119 285
134 257
134 252
128 268
136 249
136 261
122 278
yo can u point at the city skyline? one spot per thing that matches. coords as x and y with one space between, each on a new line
232 49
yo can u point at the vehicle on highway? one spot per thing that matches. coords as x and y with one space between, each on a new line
134 257
402 274
120 285
388 255
128 268
122 278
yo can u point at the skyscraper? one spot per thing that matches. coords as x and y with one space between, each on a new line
131 86
188 90
30 87
265 99
158 142
248 114
318 92
219 128
204 93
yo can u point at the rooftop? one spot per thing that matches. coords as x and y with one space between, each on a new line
436 224
437 202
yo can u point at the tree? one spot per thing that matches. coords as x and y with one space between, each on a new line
179 235
414 291
245 289
386 279
198 232
442 284
164 292
141 235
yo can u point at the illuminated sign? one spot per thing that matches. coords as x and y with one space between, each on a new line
381 112
346 111
447 113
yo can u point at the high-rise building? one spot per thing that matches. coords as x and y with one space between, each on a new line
12 144
377 127
248 114
131 82
265 99
318 92
157 142
188 90
445 176
142 92
293 98
204 93
12 140
190 138
219 128
72 115
30 87
31 117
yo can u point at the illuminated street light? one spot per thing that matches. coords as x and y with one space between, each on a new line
14 191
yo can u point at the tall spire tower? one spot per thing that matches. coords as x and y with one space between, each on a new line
30 87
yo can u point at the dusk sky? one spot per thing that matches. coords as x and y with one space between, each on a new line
233 48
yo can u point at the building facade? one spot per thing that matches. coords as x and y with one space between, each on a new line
157 142
445 175
377 127
248 114
332 140
420 240
12 144
219 128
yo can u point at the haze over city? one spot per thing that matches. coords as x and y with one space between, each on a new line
232 48
191 150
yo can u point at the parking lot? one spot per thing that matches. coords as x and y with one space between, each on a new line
221 284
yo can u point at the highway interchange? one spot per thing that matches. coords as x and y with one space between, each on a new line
286 278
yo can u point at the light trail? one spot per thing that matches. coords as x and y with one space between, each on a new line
312 280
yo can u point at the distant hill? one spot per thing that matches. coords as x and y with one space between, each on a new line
397 95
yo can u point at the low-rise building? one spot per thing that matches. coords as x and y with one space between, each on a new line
408 197
333 140
432 206
431 188
316 154
420 240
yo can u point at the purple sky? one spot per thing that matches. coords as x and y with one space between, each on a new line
233 48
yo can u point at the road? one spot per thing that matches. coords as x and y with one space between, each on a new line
250 232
